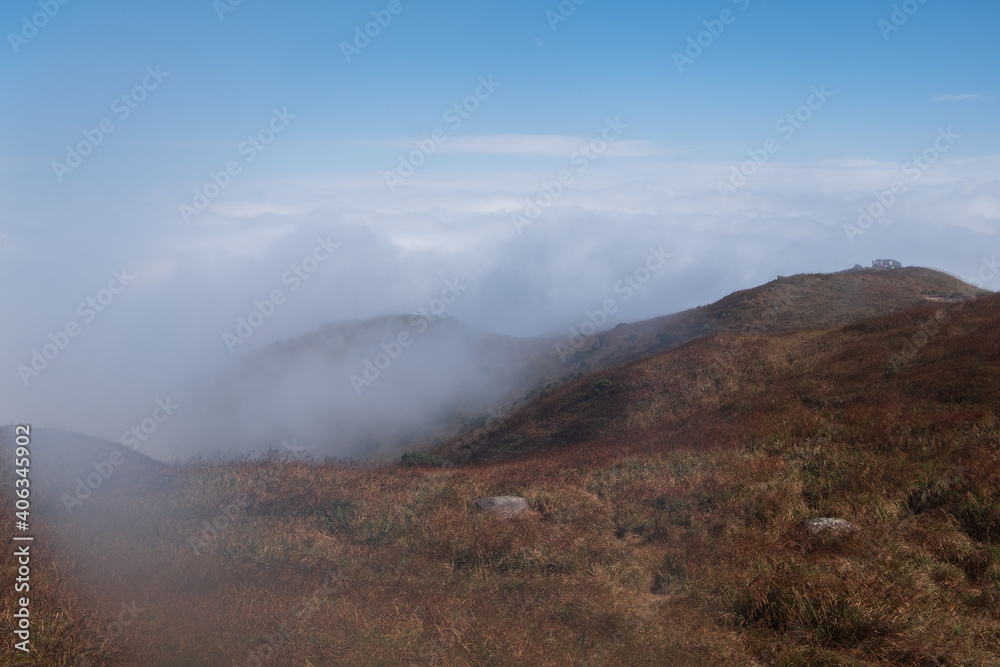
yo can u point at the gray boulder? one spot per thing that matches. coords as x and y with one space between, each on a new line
828 526
504 507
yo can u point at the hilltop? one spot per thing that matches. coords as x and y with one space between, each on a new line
789 303
796 303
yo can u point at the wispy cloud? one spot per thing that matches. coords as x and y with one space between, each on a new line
958 98
551 145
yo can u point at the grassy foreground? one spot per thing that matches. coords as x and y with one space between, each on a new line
666 499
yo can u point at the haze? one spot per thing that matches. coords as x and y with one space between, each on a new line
238 151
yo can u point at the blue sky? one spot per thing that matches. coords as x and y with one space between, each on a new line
325 172
605 59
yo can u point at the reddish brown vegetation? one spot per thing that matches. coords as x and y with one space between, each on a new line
664 529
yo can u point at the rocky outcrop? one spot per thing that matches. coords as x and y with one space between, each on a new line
829 526
504 507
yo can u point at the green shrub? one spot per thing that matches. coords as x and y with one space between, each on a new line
412 459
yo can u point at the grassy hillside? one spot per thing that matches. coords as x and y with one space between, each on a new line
466 376
796 303
666 498
731 381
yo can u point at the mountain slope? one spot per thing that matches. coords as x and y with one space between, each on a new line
357 388
68 467
664 525
872 368
795 303
372 389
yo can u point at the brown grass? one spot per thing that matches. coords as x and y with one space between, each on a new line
664 526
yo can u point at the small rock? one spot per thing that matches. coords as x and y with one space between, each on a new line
505 507
826 525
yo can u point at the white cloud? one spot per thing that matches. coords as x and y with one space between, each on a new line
550 145
193 281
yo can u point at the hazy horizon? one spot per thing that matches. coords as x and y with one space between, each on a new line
179 165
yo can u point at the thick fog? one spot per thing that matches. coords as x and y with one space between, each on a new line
183 187
174 329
